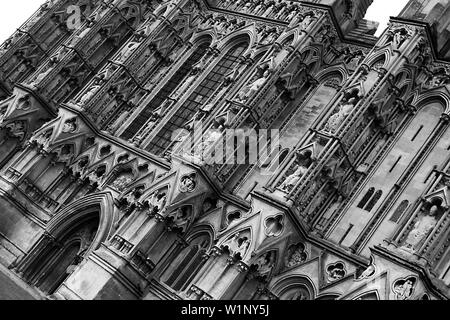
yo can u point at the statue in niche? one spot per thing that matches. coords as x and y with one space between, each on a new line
269 9
422 228
354 61
398 37
307 20
333 207
270 37
222 26
292 14
254 87
247 7
206 23
344 110
210 137
226 3
51 65
83 32
127 51
89 94
236 4
148 29
259 7
292 180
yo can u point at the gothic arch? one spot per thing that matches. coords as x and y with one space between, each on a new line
164 9
70 236
199 38
291 35
257 53
133 15
82 208
201 229
371 295
246 233
333 71
328 296
187 262
313 54
235 38
381 56
436 95
287 284
403 82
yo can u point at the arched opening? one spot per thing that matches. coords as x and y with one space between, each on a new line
54 259
328 297
299 292
186 265
366 198
368 296
294 288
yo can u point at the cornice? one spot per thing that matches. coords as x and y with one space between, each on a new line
388 255
323 243
328 9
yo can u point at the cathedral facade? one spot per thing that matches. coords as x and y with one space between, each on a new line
112 110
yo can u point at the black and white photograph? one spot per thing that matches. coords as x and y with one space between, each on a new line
225 155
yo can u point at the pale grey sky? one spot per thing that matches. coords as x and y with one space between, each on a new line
381 10
14 12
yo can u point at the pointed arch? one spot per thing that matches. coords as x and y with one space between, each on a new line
380 57
246 35
287 287
68 216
